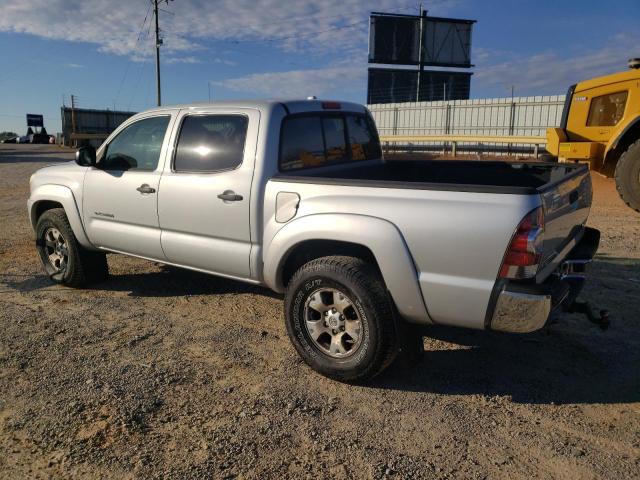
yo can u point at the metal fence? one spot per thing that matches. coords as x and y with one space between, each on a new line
84 123
519 116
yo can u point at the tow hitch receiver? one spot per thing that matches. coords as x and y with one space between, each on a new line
585 308
573 271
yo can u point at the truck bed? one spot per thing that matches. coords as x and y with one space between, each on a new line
564 190
474 176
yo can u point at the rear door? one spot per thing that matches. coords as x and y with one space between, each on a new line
120 195
205 191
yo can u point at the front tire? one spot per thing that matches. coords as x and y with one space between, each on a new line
627 176
64 259
340 318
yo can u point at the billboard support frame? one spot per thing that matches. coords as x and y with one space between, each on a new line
423 14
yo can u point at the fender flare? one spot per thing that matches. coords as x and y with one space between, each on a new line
64 196
614 142
380 236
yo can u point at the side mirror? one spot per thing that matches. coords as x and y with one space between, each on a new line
86 156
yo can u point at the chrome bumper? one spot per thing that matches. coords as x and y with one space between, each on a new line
524 312
520 312
521 308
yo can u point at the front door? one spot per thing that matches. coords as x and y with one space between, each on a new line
120 199
205 191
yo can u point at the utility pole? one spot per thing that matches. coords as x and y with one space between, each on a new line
423 15
73 116
158 43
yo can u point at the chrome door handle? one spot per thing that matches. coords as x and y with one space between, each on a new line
145 188
230 196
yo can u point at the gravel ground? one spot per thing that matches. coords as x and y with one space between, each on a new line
161 373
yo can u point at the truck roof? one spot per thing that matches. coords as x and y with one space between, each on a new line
292 105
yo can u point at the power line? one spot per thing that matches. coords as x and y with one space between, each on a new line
301 35
315 18
135 46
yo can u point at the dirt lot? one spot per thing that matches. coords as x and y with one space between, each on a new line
169 374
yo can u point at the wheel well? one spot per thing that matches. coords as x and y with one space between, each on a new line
628 137
43 206
311 249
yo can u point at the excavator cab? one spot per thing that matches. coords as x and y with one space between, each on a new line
601 125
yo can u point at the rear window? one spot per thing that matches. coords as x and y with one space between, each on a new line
363 139
316 140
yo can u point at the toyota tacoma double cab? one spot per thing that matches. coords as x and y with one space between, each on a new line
296 196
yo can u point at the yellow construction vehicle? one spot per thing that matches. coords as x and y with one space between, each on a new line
601 124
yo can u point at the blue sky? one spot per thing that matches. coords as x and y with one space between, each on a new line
101 52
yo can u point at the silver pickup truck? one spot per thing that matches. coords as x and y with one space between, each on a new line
295 195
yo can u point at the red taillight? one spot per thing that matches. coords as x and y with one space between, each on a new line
525 249
331 105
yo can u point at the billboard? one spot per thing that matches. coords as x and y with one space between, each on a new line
394 85
447 42
396 39
393 39
35 120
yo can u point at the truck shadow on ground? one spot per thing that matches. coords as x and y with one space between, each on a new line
168 282
569 361
176 282
555 366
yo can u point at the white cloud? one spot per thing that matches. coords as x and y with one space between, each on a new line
115 25
188 60
74 65
298 83
550 72
224 61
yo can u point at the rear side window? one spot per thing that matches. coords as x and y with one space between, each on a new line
209 143
302 144
607 110
315 140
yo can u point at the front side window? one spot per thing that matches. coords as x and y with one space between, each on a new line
137 147
315 140
607 110
210 143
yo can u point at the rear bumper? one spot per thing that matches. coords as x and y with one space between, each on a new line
523 308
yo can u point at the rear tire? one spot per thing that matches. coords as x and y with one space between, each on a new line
627 176
64 259
340 318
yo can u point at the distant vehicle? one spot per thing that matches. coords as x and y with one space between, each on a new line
297 197
39 138
9 140
24 139
601 124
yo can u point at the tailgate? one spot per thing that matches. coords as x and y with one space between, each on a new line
566 202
